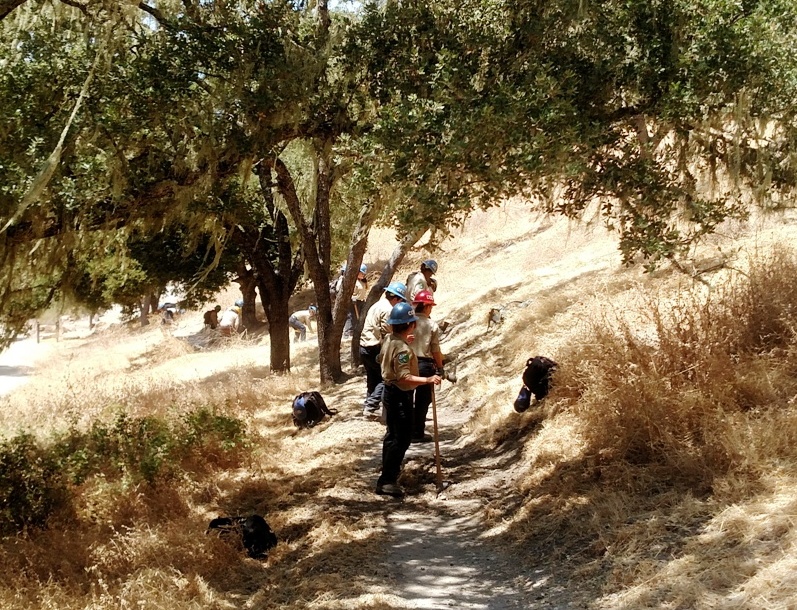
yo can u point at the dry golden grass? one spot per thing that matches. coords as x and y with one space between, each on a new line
658 474
662 464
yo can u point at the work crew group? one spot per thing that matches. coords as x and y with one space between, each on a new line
400 351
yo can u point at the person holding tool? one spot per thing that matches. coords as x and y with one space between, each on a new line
430 360
401 377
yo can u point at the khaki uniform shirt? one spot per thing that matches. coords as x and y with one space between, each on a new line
427 337
375 327
360 291
415 283
398 361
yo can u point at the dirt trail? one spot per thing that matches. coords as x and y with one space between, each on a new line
440 555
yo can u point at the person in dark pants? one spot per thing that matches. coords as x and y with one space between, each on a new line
430 360
400 374
375 329
301 320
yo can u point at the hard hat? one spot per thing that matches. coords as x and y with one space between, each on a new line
312 308
398 289
363 268
430 265
239 303
402 313
425 297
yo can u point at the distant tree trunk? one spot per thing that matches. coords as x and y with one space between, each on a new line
316 242
154 302
143 311
277 313
248 282
276 270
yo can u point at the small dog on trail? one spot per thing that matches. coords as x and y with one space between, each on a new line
256 535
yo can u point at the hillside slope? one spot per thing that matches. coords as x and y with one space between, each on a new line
530 520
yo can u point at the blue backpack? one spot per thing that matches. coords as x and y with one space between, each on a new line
309 408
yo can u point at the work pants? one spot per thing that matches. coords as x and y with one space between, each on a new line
398 405
423 397
301 329
373 377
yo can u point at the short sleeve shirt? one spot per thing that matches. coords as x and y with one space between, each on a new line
360 291
303 315
417 282
375 327
427 337
398 361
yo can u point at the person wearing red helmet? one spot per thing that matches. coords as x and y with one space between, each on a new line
430 360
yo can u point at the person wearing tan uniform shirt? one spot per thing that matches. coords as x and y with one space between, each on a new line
376 328
421 280
430 360
400 374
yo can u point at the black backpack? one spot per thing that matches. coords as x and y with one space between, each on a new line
536 380
309 408
256 535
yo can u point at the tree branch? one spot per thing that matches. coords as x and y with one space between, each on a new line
156 14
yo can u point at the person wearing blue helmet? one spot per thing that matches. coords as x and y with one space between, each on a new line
376 328
400 374
421 280
357 301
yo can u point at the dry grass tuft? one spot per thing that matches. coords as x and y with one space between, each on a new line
655 465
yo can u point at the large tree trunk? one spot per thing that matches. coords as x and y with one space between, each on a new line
316 242
248 282
277 314
275 272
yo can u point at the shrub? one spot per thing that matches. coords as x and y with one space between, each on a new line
665 388
31 485
37 479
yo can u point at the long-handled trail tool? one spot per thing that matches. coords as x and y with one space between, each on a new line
441 484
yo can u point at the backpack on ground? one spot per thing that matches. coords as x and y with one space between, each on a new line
255 534
309 408
536 381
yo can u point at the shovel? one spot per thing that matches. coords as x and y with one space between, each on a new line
441 484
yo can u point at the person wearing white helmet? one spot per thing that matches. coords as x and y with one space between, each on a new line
401 377
357 301
230 320
301 320
421 280
376 328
